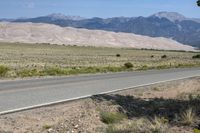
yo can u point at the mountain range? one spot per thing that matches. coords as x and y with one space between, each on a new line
163 24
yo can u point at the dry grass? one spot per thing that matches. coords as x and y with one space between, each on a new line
141 125
109 117
39 57
189 117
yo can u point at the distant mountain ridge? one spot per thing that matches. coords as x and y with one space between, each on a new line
59 16
172 16
163 24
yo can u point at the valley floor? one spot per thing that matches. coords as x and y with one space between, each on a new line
171 107
20 60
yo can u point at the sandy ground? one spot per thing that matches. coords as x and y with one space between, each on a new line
48 33
82 116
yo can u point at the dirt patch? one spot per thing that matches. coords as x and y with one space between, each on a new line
74 116
83 116
168 90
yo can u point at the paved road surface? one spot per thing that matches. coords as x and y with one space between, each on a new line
25 94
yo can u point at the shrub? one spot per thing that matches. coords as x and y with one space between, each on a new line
3 70
109 118
188 117
144 67
54 71
152 56
128 65
118 55
159 125
47 126
114 69
27 73
196 130
142 125
111 129
164 56
114 129
196 56
162 66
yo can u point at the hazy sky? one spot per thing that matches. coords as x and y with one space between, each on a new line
96 8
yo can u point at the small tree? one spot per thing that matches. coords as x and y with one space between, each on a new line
198 2
196 56
164 56
128 65
118 55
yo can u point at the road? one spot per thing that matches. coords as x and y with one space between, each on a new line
20 95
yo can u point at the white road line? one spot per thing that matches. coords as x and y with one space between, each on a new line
86 96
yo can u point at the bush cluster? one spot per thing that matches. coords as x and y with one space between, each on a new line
164 56
118 55
109 118
3 70
196 56
128 65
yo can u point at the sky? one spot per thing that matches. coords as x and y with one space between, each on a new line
96 8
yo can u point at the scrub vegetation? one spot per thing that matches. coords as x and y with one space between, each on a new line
27 60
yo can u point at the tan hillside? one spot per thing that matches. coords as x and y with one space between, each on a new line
46 33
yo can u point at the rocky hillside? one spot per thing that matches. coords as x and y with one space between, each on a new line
47 33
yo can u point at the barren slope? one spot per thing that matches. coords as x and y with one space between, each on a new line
46 33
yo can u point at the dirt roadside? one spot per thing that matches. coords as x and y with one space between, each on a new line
83 116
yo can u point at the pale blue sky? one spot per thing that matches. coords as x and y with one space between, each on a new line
96 8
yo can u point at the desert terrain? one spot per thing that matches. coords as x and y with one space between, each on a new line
48 33
171 107
20 60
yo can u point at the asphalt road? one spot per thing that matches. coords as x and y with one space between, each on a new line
25 94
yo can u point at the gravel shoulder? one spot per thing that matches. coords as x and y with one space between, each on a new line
83 116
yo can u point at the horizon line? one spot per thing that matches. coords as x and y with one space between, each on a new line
70 15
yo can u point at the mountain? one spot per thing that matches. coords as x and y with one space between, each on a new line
55 18
163 24
59 16
6 20
48 33
172 16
